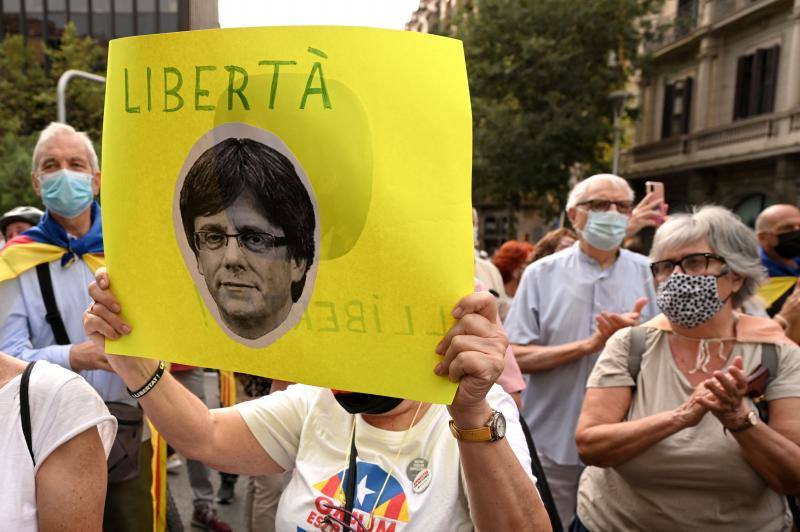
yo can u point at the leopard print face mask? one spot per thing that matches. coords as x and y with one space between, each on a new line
689 300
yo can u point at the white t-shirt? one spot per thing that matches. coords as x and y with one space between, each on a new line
62 405
306 431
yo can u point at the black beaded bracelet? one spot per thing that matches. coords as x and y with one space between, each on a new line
150 383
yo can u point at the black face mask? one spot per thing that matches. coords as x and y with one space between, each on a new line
365 403
788 245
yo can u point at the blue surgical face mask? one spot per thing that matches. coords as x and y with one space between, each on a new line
66 192
605 230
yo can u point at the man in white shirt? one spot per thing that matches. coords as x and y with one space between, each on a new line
566 307
63 251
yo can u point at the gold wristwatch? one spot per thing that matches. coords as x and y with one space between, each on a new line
495 429
750 421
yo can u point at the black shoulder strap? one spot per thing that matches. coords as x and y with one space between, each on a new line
25 408
350 484
636 350
769 359
53 316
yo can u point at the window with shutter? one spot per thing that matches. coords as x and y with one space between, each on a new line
756 82
676 117
666 115
770 79
686 19
686 123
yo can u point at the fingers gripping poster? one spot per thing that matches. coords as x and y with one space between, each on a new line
290 202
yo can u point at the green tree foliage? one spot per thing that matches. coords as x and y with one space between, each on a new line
28 76
540 72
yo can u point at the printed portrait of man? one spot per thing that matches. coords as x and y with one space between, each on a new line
250 224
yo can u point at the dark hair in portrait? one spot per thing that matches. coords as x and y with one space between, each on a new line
239 166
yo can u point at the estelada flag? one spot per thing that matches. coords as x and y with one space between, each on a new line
48 241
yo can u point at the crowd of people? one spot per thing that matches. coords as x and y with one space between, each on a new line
620 425
598 389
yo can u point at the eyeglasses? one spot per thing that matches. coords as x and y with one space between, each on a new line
250 240
692 264
345 527
601 205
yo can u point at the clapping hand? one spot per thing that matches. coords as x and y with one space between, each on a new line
725 394
610 322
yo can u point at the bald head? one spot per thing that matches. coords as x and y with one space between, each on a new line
773 222
774 218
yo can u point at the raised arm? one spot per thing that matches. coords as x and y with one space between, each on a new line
473 356
219 438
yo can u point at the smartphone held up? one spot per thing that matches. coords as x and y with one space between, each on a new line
656 188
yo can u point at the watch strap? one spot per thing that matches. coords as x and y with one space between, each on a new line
491 431
750 421
472 435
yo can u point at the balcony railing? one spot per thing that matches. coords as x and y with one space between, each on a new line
723 9
794 123
658 150
775 130
735 133
677 29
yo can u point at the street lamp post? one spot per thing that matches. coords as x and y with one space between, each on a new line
61 89
618 99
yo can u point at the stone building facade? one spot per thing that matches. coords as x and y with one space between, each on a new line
719 114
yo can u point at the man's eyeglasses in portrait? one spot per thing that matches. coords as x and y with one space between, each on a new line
253 241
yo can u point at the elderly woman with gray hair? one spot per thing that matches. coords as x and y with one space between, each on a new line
672 439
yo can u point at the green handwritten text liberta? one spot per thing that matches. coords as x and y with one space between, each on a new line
176 94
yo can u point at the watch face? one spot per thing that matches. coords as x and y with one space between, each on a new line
500 425
752 417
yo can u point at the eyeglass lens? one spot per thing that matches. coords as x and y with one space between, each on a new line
253 241
599 205
695 264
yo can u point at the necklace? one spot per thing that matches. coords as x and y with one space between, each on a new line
703 356
351 446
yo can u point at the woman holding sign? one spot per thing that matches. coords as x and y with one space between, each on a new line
360 462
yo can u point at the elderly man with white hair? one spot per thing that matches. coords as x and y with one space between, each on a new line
49 267
567 306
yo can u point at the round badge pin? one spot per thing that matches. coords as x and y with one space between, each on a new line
422 481
414 467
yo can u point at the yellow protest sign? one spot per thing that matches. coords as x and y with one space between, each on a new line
290 202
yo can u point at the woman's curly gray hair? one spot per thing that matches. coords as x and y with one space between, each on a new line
727 236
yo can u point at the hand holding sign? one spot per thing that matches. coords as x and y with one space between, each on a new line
273 203
473 349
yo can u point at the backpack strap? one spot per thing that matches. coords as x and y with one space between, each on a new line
769 362
25 408
769 359
53 315
636 350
